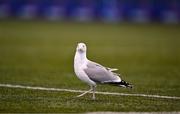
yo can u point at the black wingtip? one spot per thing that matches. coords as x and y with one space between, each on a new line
122 83
125 84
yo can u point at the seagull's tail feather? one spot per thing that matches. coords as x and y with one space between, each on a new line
122 83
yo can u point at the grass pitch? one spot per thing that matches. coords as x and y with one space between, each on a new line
38 53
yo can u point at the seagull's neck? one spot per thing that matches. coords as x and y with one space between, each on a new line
80 58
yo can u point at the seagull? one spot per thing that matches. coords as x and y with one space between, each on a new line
93 73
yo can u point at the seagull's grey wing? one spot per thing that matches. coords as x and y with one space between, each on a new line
98 73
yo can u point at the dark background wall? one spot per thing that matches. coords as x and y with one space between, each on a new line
140 11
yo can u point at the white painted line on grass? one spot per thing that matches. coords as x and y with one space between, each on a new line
132 113
80 91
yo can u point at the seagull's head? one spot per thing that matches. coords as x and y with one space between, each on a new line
81 47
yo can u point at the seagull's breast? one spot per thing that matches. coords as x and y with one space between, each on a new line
79 67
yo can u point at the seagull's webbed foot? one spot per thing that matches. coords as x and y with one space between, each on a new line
93 88
84 93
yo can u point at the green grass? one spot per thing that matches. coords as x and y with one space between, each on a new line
40 53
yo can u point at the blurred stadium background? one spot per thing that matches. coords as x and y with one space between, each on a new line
140 11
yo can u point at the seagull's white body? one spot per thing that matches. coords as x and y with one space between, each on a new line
80 63
93 73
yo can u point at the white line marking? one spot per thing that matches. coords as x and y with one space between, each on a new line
80 91
132 113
